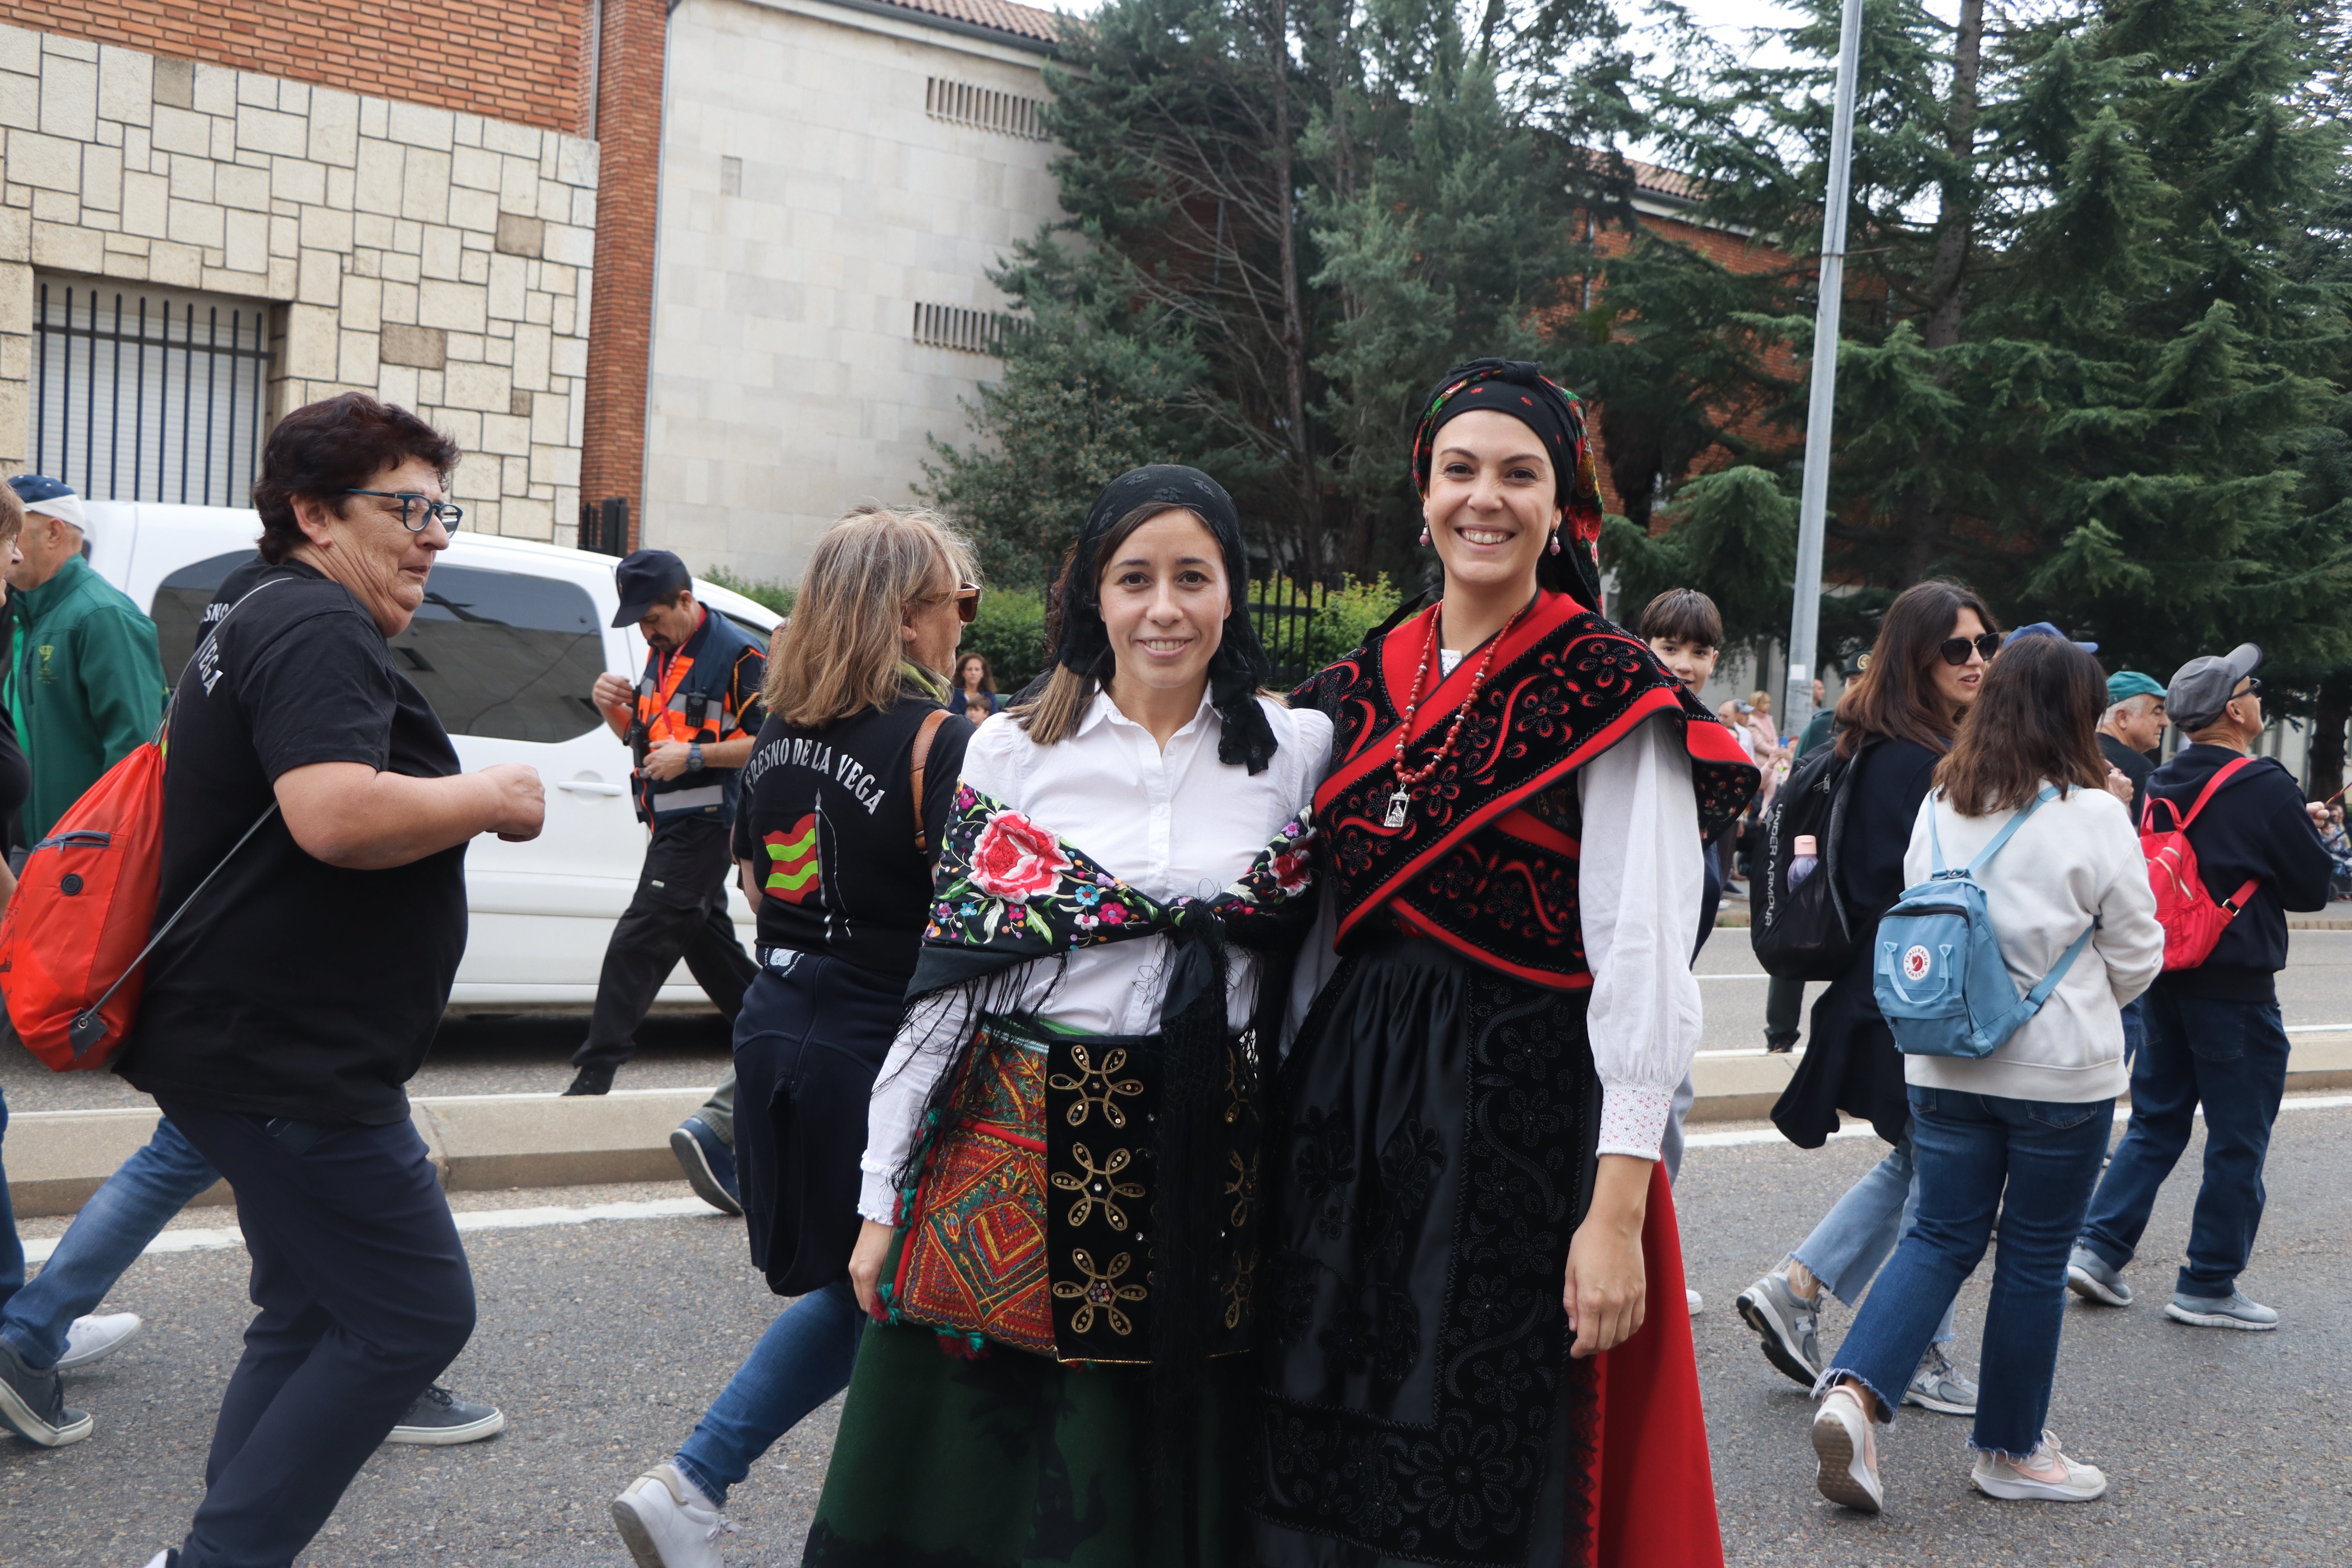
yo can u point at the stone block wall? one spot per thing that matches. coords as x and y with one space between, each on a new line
823 201
436 259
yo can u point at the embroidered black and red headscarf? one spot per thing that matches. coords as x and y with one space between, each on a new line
1520 389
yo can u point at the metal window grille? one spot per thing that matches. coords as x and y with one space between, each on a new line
142 394
970 332
1284 610
962 103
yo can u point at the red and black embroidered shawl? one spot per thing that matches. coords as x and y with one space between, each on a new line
1485 859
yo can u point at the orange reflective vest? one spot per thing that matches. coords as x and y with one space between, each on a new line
689 697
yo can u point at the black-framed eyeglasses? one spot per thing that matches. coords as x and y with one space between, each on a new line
2253 689
1955 650
419 512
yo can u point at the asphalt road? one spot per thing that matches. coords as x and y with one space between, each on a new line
604 1341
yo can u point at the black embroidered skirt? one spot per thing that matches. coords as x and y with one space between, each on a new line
1429 1161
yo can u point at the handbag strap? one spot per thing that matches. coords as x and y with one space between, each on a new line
930 726
1935 840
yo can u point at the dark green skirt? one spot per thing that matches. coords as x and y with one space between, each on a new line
1017 1461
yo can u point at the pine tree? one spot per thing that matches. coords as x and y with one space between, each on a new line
1287 217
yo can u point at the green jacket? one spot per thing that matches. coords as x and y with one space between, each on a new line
88 686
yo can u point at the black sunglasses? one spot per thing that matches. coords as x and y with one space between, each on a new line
423 509
1956 649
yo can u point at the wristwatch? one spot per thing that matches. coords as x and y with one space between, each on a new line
694 757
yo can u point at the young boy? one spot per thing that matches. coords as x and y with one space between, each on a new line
1685 631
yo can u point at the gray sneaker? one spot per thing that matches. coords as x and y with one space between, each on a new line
1789 1325
2093 1278
1939 1386
2229 1312
32 1404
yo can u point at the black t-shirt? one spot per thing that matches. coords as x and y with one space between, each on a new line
293 987
829 828
2133 764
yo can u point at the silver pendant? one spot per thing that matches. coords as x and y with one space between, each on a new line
1399 804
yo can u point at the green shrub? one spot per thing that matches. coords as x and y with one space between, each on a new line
1346 614
777 596
1010 633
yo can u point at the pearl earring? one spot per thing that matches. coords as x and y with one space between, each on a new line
1424 536
1555 541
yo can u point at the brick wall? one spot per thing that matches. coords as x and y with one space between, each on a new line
517 60
436 259
620 335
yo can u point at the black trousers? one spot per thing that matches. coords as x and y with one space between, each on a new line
812 1037
364 1296
679 911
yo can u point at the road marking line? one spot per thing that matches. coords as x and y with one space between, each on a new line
194 1240
1748 1136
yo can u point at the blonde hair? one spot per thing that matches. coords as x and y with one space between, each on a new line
12 515
841 652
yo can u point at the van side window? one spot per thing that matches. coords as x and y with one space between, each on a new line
502 654
505 656
178 611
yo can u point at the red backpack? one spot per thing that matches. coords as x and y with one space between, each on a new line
2191 919
77 931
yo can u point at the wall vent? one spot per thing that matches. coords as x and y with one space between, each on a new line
969 332
964 104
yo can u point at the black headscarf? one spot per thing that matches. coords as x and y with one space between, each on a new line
1238 668
1520 389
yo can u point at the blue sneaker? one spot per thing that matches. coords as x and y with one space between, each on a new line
709 1163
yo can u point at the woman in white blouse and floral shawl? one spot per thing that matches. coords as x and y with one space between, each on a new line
1060 1197
1473 1342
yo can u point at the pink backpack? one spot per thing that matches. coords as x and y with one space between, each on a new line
2191 919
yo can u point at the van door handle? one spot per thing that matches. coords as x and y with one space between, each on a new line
590 787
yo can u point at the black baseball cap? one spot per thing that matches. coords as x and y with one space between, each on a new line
646 578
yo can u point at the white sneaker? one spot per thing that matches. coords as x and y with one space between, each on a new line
666 1522
1848 1454
2046 1476
95 1338
1698 1301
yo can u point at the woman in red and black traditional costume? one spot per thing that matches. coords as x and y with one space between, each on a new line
1063 1146
1474 1343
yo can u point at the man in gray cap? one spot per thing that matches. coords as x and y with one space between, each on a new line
2213 1033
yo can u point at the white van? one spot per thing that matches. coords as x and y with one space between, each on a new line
507 648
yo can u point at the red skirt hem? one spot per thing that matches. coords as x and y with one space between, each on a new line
1652 1488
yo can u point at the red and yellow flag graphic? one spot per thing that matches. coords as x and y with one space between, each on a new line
792 872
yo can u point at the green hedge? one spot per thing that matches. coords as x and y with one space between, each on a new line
1010 633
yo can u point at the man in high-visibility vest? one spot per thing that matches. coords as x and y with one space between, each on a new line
690 721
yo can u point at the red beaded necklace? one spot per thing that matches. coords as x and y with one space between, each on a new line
1408 781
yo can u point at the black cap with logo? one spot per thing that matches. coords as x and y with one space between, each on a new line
646 578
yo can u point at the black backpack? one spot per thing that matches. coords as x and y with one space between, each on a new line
1807 934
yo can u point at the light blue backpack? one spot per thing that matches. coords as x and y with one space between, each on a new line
1939 977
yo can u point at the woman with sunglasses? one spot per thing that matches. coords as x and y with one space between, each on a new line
845 798
1895 725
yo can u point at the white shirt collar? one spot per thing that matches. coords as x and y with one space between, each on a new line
1102 710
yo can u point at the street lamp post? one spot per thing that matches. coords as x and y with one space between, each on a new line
1812 507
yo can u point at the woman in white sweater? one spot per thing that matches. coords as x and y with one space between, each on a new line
2020 1133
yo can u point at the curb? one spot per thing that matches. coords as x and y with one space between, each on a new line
56 1159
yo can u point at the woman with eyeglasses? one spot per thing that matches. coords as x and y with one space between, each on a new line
1895 725
845 797
318 804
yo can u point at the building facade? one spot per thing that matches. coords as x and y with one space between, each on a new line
205 222
837 178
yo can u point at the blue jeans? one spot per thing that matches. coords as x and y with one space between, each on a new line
2031 1164
11 1251
1855 1237
2135 1029
109 1234
804 1360
2232 1058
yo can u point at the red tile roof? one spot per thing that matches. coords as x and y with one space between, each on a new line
997 15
